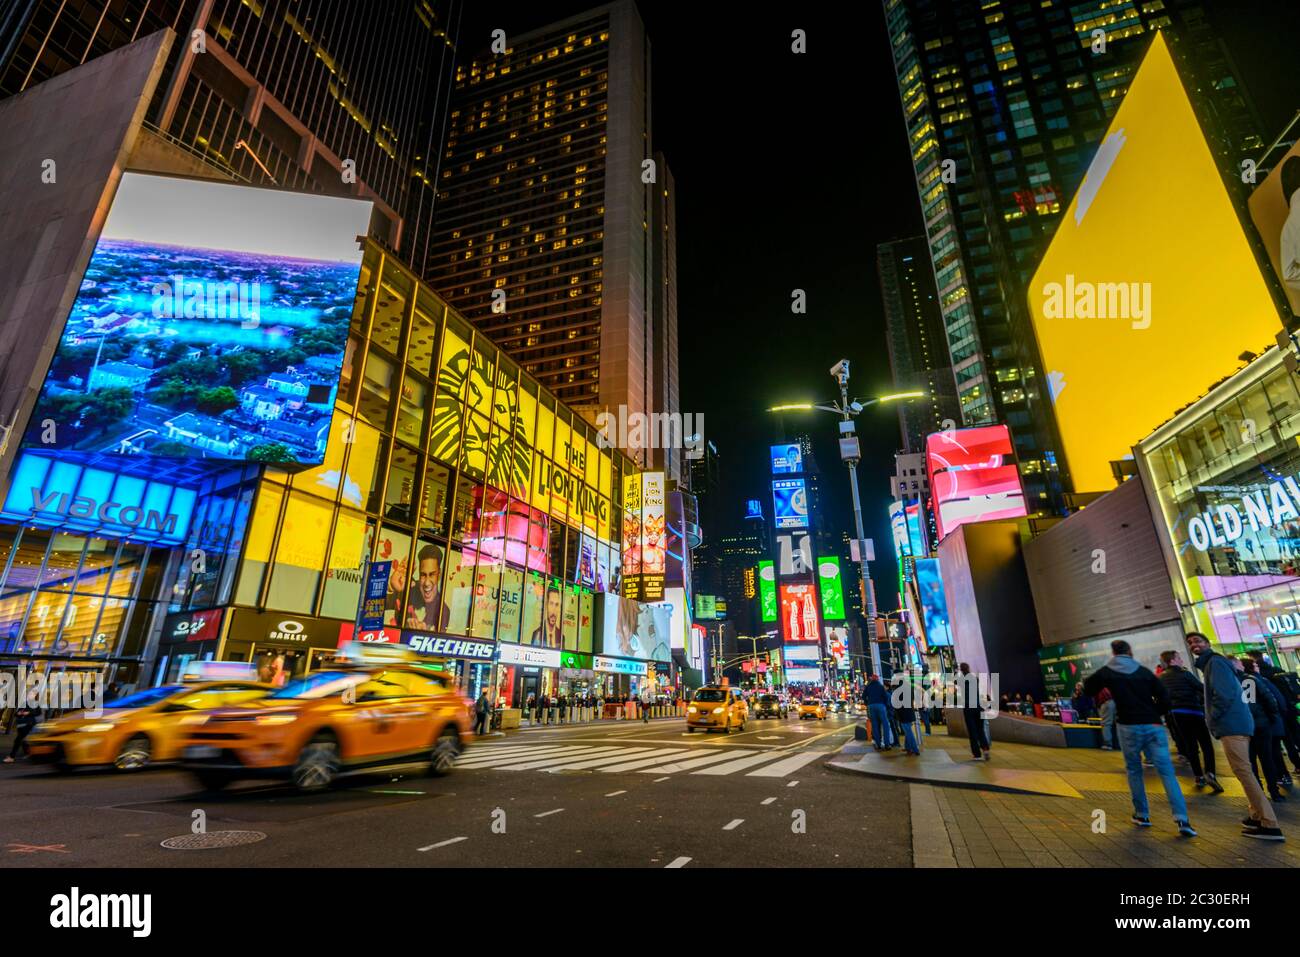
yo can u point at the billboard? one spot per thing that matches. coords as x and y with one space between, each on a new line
802 663
790 503
706 608
630 629
799 619
973 477
753 508
1149 290
837 644
767 591
934 605
1275 209
786 458
645 543
211 323
832 587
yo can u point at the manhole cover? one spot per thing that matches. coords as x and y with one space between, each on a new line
203 842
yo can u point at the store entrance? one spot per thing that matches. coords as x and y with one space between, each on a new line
528 685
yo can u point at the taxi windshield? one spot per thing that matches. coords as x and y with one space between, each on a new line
710 694
142 699
322 684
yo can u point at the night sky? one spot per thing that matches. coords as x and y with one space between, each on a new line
790 169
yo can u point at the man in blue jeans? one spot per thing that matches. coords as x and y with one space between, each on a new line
878 706
1140 702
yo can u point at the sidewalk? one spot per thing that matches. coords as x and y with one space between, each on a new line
1063 807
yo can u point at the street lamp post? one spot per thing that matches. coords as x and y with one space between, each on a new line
850 453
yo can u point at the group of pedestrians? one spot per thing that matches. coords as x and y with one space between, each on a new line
1234 701
893 716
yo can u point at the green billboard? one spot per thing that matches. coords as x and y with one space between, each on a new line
767 590
832 587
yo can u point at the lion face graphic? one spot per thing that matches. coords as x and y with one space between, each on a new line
500 462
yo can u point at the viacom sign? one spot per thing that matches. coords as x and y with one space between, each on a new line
61 494
1269 507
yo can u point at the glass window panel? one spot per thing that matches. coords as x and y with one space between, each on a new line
266 516
346 375
459 591
510 605
437 497
427 611
424 332
530 619
481 380
344 573
375 501
25 572
43 622
13 605
394 545
462 516
323 480
403 473
487 584
376 391
96 567
410 411
364 462
390 309
300 554
475 443
61 566
369 262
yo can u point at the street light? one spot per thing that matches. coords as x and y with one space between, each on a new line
850 453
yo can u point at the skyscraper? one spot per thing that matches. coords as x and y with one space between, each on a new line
918 355
1004 105
311 95
556 223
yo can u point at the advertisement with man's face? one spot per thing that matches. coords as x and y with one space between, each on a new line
425 609
543 618
395 547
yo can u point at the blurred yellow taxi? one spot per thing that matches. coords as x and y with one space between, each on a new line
715 707
379 710
144 728
812 708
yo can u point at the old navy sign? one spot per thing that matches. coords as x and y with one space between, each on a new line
448 647
50 493
1272 506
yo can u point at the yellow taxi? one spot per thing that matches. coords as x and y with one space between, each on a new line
144 728
716 707
812 708
376 711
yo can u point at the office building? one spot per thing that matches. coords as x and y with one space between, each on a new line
1004 105
555 227
918 353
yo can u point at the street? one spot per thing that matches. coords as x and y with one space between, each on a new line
613 794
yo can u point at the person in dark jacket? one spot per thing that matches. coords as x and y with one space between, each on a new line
25 719
878 707
1187 718
1140 703
1083 704
972 714
1266 709
1230 721
905 713
1288 686
482 712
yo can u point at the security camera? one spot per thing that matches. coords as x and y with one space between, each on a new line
841 369
855 406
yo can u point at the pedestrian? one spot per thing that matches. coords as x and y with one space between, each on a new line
1140 703
968 699
482 711
1267 713
530 706
1082 703
1106 711
1187 719
645 707
25 719
1273 687
1230 720
905 712
878 711
562 706
1289 687
544 708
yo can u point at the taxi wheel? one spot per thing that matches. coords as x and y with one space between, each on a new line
317 764
134 754
445 751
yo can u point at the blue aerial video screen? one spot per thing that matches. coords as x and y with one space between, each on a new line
211 323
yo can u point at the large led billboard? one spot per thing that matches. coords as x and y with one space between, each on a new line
767 590
645 536
832 587
1276 213
1149 290
790 500
799 619
802 663
211 323
837 645
934 605
786 458
973 477
630 629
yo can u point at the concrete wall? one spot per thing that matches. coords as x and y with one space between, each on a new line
1074 598
85 121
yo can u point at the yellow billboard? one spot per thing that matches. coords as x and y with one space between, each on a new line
1149 291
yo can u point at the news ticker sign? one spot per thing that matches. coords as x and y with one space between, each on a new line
619 666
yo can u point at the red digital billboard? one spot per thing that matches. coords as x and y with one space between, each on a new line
799 617
973 477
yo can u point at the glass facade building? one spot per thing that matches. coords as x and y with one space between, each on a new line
1223 479
500 515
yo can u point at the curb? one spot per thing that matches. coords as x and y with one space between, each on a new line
843 768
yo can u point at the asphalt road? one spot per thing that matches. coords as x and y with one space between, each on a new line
625 795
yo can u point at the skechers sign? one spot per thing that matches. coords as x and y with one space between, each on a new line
1272 506
59 494
448 647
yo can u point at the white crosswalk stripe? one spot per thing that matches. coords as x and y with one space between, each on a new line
610 757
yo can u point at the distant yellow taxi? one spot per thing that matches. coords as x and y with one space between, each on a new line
715 707
148 727
812 708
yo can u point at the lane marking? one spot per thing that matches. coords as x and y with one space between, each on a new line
614 794
549 813
792 784
697 762
450 840
610 752
664 778
732 766
734 824
679 862
767 800
597 762
555 753
646 762
793 763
